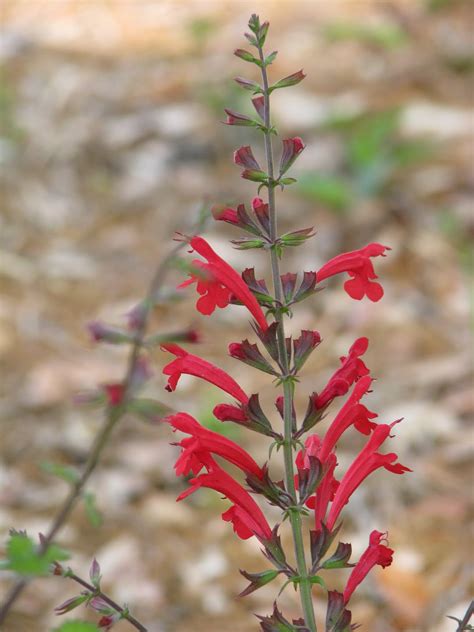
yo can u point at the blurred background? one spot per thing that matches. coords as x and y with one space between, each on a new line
111 140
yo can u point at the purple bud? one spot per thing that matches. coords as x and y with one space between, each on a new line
94 573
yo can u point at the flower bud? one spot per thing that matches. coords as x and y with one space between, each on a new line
94 573
259 105
244 158
291 80
248 84
292 148
235 118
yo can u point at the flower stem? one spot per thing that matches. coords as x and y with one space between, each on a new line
113 604
295 517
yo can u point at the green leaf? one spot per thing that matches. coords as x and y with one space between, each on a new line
383 35
66 473
23 557
77 626
93 514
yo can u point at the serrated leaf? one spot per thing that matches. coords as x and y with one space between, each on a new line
23 556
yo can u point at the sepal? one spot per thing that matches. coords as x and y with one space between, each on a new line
269 339
309 478
338 619
257 287
269 489
276 622
320 541
304 346
248 244
292 148
257 580
290 80
246 56
307 287
274 552
250 354
248 84
241 120
244 158
297 237
312 416
257 416
71 604
340 558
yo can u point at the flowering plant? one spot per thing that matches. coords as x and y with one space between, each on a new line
313 493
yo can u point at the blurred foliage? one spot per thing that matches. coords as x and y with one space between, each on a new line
382 35
373 154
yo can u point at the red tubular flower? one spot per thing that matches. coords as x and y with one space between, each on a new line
246 515
204 442
358 265
352 413
219 283
367 461
352 368
189 364
326 491
375 553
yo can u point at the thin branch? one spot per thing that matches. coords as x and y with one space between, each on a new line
113 416
113 604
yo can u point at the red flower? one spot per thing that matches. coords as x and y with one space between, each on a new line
359 266
246 515
352 413
204 442
367 461
375 553
190 364
352 368
326 491
219 283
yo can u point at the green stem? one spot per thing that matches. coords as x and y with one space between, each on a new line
295 517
